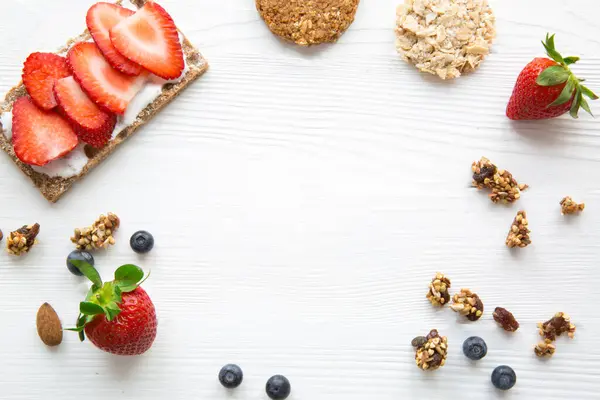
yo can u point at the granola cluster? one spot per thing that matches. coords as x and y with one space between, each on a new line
97 236
550 330
1 235
504 187
468 304
22 240
556 326
432 354
568 206
518 235
439 287
506 319
444 38
545 348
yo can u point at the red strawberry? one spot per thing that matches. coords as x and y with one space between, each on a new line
39 136
106 86
92 124
40 71
150 38
546 88
101 17
118 317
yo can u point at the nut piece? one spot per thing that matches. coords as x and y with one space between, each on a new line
504 187
97 236
308 22
468 304
439 288
545 348
48 325
518 235
568 206
505 319
1 235
22 240
556 326
432 354
442 37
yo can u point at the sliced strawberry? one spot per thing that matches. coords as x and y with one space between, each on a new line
150 39
106 86
40 136
91 124
101 17
40 71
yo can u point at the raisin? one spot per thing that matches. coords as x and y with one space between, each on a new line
436 360
505 319
433 334
486 172
418 341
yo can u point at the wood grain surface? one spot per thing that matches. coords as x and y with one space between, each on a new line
301 200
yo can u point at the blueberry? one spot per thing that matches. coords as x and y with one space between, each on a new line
141 242
231 376
81 256
475 348
278 387
504 377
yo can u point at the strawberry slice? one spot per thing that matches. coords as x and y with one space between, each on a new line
91 124
106 86
101 17
40 71
150 39
39 136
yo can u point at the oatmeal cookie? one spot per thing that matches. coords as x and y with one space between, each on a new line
308 22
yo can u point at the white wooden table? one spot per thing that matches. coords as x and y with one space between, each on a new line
301 200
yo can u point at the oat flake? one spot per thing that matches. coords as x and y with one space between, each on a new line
444 37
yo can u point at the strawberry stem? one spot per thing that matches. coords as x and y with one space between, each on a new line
560 74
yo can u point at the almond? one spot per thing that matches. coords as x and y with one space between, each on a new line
48 325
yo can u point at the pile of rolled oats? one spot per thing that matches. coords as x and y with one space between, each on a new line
568 206
22 240
550 330
444 37
432 353
504 187
467 304
518 235
439 287
97 236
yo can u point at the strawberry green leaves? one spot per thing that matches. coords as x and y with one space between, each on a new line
128 277
89 272
89 308
552 76
103 299
559 74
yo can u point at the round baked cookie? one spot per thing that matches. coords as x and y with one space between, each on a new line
445 37
307 22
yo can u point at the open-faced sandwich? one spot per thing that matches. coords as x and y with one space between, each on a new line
76 106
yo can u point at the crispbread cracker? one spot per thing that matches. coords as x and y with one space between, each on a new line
54 187
308 22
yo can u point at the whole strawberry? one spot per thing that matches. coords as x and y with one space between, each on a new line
118 316
546 88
